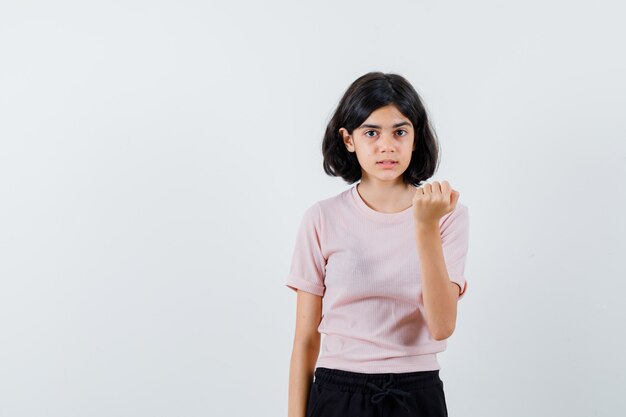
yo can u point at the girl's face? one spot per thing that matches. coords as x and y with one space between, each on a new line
385 135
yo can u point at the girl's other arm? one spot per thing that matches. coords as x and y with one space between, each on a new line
306 348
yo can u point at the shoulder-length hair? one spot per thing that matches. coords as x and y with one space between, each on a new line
366 94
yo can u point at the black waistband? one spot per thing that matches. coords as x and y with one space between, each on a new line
380 385
352 381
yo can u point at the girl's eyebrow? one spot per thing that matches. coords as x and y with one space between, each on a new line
378 127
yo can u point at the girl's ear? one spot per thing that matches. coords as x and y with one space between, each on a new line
347 139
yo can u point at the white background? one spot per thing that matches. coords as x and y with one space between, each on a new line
156 158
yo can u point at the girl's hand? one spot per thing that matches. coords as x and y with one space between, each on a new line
432 202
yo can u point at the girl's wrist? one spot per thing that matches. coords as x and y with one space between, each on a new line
426 226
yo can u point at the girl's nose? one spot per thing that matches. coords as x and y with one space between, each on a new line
387 140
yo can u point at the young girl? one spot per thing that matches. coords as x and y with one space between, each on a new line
378 268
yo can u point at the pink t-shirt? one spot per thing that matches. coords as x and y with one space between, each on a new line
365 264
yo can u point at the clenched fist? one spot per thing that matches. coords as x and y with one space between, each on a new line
432 201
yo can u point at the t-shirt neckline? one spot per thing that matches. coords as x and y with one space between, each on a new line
378 216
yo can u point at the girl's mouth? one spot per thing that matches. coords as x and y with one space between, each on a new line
387 164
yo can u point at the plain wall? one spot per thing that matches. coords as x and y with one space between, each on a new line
156 158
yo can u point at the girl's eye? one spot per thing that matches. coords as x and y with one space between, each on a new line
372 131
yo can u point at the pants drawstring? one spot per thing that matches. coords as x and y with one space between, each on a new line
398 394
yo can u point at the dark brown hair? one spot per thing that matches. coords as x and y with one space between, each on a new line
365 95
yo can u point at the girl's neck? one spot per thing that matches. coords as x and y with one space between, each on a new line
386 198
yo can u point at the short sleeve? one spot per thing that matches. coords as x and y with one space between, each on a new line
454 240
308 265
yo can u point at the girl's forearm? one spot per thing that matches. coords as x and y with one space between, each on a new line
301 370
440 302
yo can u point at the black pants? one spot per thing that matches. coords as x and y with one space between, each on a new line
339 393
